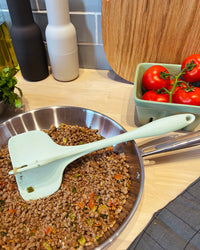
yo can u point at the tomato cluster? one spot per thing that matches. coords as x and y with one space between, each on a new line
161 86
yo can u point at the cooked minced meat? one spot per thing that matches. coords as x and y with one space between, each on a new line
92 194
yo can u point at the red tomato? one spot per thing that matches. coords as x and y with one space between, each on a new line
194 74
152 80
190 98
153 96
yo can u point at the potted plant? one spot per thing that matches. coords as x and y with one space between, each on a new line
8 82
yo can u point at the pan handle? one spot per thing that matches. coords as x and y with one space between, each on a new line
179 142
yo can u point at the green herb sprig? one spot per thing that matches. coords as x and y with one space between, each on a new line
7 87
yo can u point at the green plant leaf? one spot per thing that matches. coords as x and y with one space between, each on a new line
11 98
8 85
18 103
20 91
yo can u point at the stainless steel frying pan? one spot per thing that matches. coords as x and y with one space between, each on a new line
43 118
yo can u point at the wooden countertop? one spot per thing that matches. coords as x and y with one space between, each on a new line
105 92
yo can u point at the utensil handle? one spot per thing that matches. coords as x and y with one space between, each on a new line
157 127
190 140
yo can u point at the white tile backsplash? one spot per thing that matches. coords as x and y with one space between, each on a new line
86 17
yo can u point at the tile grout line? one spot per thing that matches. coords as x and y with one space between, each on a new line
89 44
70 12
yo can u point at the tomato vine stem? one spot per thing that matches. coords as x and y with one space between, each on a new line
188 67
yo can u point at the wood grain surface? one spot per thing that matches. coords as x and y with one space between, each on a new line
164 31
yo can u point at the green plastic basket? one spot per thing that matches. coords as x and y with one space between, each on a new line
149 110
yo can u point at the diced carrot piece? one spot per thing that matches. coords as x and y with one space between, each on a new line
12 211
110 148
47 230
118 177
91 201
81 204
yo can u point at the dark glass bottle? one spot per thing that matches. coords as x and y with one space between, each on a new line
27 41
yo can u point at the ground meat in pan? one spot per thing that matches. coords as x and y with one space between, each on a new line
93 192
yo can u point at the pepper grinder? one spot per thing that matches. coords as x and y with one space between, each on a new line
27 41
61 41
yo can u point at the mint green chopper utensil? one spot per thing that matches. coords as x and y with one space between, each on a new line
39 163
